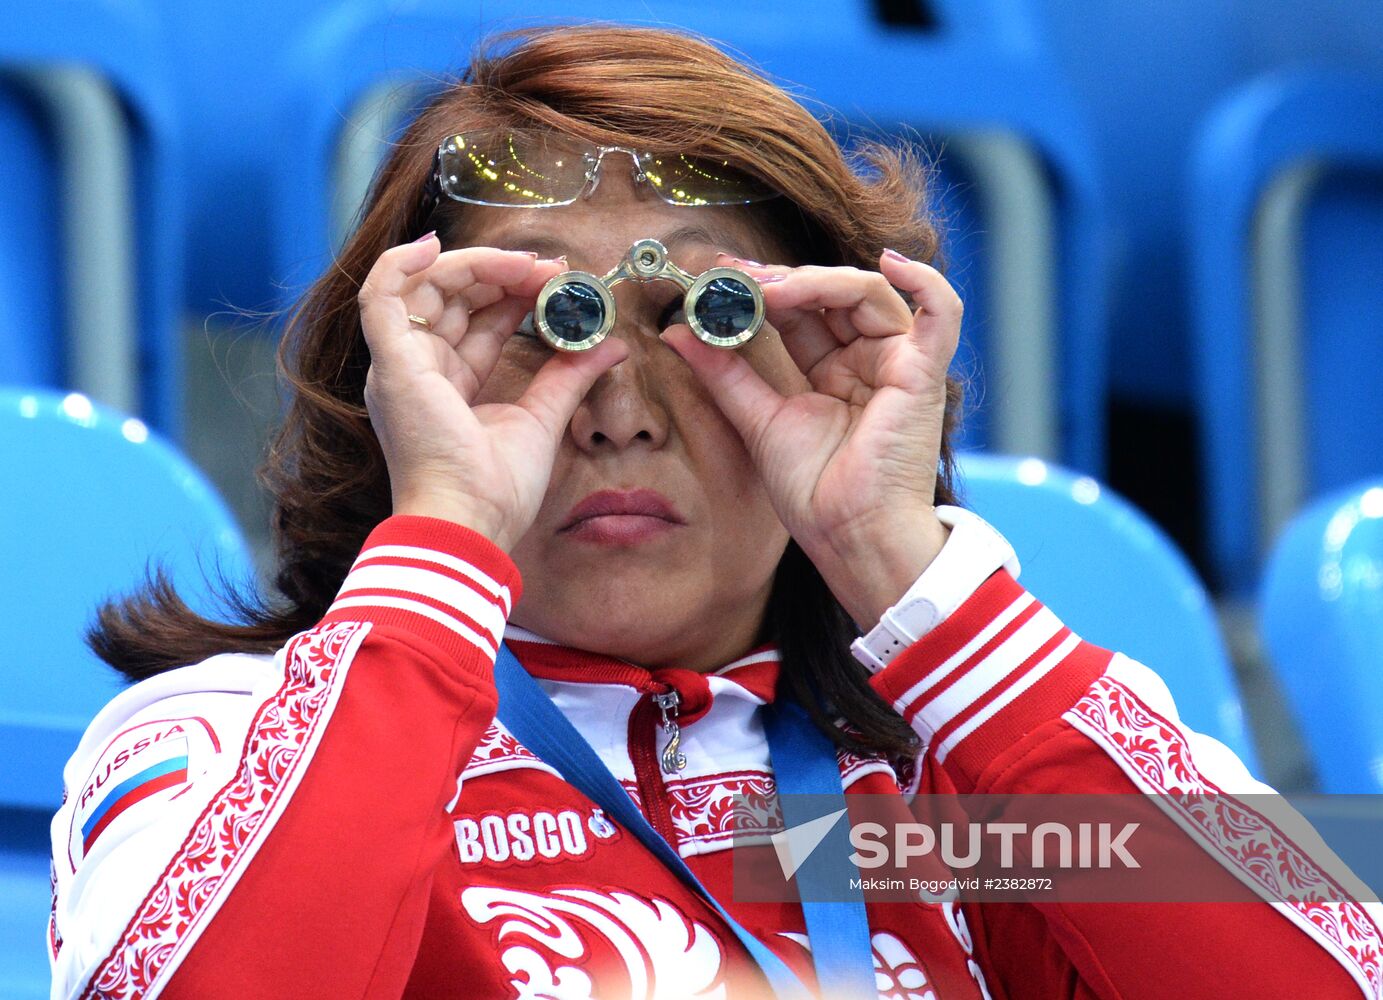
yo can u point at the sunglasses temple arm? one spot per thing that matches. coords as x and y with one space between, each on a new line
432 188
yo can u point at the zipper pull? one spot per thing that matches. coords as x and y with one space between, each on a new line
667 703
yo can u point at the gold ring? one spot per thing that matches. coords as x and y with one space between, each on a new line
422 321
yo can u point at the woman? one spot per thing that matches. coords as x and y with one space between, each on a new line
669 536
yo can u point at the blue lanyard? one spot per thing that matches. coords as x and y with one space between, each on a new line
804 762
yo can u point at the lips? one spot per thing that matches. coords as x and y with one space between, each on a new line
646 503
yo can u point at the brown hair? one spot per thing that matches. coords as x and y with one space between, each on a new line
648 88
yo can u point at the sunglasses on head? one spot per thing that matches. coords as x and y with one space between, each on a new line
538 169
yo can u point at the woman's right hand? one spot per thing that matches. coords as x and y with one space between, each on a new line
487 466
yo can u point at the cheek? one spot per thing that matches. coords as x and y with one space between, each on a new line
518 363
726 470
721 464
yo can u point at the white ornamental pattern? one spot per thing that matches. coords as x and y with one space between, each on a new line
500 750
1154 752
853 766
905 773
235 821
543 937
716 811
898 975
711 811
54 935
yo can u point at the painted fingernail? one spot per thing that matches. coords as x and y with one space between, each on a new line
751 263
554 260
425 237
897 256
769 279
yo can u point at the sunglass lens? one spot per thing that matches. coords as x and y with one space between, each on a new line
691 180
512 169
725 307
574 312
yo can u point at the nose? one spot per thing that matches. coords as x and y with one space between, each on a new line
626 406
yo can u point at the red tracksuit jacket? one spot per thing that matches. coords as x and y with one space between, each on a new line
347 819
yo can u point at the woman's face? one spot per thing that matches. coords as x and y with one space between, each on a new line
689 594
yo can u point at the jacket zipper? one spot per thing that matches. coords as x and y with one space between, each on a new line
657 711
673 760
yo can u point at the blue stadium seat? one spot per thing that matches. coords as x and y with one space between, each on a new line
1026 183
1142 124
25 902
1111 575
1322 621
88 124
1285 234
94 497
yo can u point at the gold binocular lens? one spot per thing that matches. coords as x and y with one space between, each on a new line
575 310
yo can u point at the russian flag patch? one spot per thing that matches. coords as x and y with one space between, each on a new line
137 764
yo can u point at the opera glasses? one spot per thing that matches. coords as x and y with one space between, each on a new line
575 310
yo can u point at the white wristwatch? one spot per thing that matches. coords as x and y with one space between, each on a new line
973 552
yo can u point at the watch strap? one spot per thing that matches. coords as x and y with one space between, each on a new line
972 554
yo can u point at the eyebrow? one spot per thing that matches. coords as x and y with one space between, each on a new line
549 244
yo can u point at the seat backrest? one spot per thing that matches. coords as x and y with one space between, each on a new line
92 223
1115 579
1284 223
94 496
25 903
1322 623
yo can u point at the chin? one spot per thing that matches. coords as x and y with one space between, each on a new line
620 637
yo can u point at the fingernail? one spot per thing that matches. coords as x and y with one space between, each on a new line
529 254
897 256
425 237
746 261
769 279
554 260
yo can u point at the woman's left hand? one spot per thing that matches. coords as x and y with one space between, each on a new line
850 465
